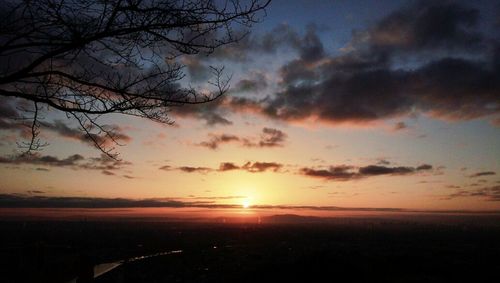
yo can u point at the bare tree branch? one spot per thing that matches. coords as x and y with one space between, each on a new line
88 58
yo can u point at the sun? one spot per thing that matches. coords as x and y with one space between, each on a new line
246 203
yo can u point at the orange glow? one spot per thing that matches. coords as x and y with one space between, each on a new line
246 203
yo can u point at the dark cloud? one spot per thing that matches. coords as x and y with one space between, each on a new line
308 47
484 173
346 172
400 126
450 88
427 25
228 166
64 130
197 69
9 200
103 163
262 166
35 192
189 169
454 72
383 162
272 138
213 197
24 201
46 160
166 168
373 170
255 82
8 115
11 119
216 140
487 193
252 167
342 173
212 113
269 138
19 201
424 167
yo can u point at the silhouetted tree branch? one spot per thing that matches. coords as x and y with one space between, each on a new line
93 57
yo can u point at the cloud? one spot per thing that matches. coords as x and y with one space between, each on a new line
76 162
450 88
308 47
454 72
272 138
196 68
484 173
252 167
35 192
487 193
19 200
374 170
341 172
228 166
65 131
104 162
427 25
400 126
269 138
346 172
255 82
166 168
46 160
7 200
262 166
424 167
213 197
11 119
283 36
24 201
216 140
212 113
383 162
189 169
8 115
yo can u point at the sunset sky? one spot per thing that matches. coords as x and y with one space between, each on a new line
375 104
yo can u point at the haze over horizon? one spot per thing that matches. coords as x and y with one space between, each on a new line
364 104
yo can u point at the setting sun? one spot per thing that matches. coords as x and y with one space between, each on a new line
246 203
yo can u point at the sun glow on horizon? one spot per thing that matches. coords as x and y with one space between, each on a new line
246 203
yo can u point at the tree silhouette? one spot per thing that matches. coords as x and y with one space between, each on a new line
88 58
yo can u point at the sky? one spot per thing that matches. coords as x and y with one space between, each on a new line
373 104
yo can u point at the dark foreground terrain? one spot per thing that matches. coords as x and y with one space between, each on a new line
341 250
